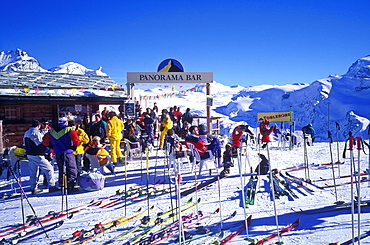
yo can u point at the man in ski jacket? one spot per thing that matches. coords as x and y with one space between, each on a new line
309 133
187 117
98 128
166 124
36 159
214 146
64 140
114 134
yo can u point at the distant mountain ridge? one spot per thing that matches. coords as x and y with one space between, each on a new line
341 99
19 60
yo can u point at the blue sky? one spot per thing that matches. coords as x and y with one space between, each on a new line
245 42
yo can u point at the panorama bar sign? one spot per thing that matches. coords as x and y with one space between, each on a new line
169 77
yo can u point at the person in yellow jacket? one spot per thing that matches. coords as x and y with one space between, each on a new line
166 124
114 134
84 139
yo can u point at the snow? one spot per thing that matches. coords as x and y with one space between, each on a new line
319 228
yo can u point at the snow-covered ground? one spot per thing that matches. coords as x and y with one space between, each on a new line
320 228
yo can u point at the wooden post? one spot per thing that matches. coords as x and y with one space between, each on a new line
209 121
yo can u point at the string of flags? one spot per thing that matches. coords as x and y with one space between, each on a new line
73 91
64 91
173 94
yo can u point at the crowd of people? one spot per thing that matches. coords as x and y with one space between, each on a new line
69 141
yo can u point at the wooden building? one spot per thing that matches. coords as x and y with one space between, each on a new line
25 96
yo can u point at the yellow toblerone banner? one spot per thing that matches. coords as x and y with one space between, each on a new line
274 116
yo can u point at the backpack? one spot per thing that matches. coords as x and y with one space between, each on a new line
20 152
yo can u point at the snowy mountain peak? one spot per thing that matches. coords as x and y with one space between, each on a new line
19 60
360 69
75 68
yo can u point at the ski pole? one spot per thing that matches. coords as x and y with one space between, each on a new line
351 143
368 133
23 193
155 167
126 182
273 195
141 167
331 155
178 180
332 166
166 159
337 134
147 178
359 148
242 189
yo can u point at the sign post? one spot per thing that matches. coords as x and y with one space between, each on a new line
171 71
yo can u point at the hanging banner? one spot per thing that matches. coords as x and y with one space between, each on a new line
274 116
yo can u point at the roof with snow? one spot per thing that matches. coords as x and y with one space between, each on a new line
45 83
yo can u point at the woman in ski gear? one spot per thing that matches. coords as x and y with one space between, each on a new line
166 124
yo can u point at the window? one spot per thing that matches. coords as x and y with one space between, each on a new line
12 112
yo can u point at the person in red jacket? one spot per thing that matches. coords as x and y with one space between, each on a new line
198 143
237 134
266 131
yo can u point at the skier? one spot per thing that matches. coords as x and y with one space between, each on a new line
64 140
309 134
114 133
166 124
36 158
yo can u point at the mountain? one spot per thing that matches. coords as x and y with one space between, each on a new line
344 98
75 68
340 99
19 60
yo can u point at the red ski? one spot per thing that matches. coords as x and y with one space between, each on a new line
294 225
237 232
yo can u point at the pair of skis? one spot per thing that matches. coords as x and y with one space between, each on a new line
250 190
159 221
